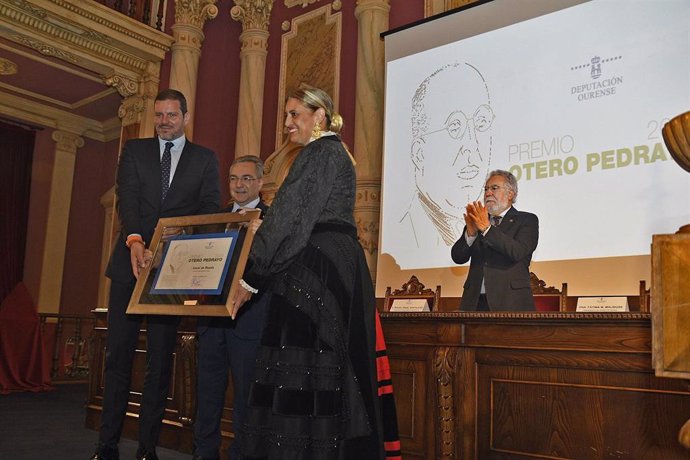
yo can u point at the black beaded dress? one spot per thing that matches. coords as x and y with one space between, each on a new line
316 394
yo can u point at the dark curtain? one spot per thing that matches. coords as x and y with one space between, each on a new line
16 153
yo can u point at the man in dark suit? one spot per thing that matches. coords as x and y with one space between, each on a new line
164 176
226 344
500 241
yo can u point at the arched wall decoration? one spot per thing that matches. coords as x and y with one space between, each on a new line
306 60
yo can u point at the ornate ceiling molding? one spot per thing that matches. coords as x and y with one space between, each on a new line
36 113
8 67
98 38
45 49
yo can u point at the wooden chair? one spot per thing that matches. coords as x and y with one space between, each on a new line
548 298
413 289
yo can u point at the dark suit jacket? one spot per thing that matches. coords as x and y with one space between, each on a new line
195 189
250 319
502 258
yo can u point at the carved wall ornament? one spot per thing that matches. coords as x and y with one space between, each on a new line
124 85
308 60
131 110
368 194
45 49
368 234
8 67
337 4
96 36
302 3
29 8
195 12
253 14
433 7
445 364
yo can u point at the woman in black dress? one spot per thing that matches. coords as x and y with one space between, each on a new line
316 393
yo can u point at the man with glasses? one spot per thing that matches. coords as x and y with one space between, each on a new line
451 122
499 241
226 344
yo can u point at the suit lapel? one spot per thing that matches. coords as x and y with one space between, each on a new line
509 219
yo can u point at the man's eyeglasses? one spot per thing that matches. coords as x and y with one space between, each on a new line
493 188
457 122
242 179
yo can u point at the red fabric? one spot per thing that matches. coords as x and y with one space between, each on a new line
391 439
547 303
22 366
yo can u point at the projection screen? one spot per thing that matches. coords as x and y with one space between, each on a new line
570 96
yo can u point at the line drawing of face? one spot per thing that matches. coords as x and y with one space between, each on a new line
451 137
178 257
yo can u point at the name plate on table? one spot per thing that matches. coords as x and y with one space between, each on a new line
602 304
410 305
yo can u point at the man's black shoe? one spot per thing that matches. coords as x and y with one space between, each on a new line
144 454
106 453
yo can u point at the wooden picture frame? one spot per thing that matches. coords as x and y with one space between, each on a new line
197 262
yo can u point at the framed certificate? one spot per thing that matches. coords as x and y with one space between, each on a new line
197 261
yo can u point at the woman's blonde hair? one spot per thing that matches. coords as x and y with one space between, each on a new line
315 98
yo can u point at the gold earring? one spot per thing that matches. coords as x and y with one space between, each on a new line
316 131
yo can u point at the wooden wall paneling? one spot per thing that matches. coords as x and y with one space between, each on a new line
412 377
579 414
492 386
540 386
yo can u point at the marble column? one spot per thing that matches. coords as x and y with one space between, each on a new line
50 291
372 19
255 17
190 17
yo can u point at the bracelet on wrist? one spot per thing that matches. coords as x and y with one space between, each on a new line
131 239
244 284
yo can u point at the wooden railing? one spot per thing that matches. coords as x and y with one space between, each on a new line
149 12
67 340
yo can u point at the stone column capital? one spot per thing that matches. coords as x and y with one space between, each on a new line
195 12
368 5
67 141
253 14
